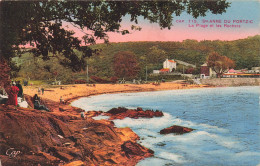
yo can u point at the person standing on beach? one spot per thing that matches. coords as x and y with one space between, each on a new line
20 94
39 91
12 95
61 100
42 91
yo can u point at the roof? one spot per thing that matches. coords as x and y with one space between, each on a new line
165 69
172 61
232 71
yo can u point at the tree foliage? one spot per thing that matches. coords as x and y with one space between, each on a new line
220 64
41 24
125 65
156 55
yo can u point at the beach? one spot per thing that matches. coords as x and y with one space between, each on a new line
70 93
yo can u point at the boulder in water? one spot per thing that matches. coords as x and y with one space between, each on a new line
121 113
176 129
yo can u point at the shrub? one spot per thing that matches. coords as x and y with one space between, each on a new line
114 79
80 81
99 80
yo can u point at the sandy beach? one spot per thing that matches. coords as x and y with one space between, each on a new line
73 92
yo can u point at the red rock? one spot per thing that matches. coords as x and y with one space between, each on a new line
93 142
121 113
49 157
76 163
91 114
132 149
118 110
64 156
176 129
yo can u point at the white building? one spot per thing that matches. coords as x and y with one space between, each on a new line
169 64
156 71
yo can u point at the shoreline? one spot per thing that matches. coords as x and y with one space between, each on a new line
125 145
73 92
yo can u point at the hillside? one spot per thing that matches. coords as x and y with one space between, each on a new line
245 53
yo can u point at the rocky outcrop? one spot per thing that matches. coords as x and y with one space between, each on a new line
54 106
121 113
132 149
91 114
49 138
176 129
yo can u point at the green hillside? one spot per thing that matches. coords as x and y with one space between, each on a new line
245 53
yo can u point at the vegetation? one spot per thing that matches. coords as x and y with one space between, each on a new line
42 24
220 64
125 65
101 65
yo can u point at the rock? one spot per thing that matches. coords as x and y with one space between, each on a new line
118 110
176 129
132 149
161 144
48 156
61 109
121 113
91 114
75 163
67 144
42 138
64 156
60 136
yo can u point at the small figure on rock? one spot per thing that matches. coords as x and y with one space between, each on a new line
82 114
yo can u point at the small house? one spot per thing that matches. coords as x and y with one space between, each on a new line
232 73
206 72
169 64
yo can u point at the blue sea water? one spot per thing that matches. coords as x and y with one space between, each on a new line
227 123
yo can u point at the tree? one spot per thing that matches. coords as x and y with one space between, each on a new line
4 74
156 55
125 65
220 64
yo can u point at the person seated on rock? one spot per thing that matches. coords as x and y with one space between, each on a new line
37 105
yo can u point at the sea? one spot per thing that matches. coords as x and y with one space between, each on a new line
226 122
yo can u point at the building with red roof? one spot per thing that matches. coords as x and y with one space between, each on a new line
164 70
169 64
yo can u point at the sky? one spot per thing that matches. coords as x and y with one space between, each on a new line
184 27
